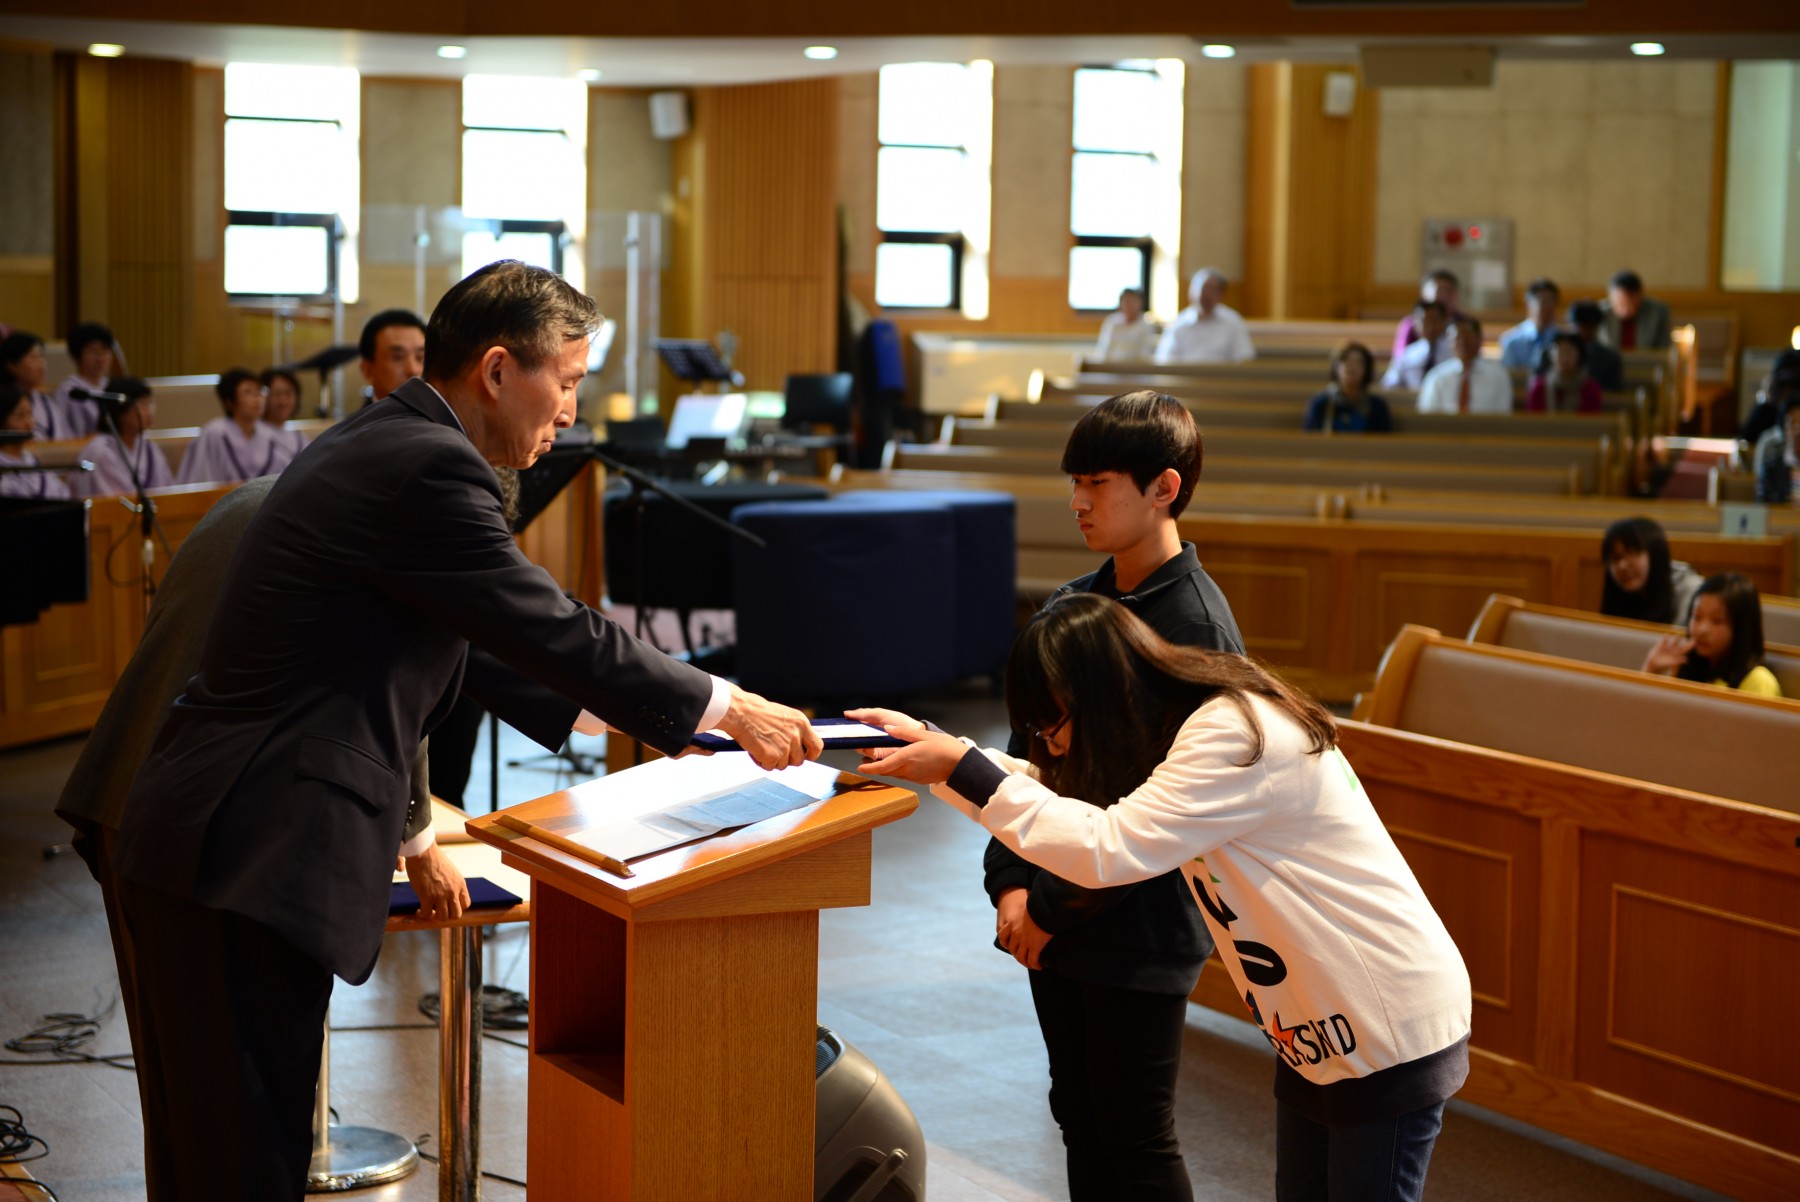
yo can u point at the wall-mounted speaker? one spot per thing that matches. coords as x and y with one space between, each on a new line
668 114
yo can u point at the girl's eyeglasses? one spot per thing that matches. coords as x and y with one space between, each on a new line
1047 732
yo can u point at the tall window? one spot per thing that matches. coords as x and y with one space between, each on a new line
524 182
292 180
933 186
1125 184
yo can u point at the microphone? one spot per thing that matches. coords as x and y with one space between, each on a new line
94 394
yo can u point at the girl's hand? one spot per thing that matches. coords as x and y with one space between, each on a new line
1670 652
928 759
881 717
1017 933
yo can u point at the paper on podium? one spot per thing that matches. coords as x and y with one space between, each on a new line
669 802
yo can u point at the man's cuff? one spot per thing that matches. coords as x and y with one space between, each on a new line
416 845
976 777
721 702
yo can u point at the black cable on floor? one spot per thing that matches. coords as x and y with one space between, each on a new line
61 1037
506 1009
16 1143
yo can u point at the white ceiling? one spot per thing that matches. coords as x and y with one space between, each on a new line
679 62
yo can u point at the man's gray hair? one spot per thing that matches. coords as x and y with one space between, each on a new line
1200 278
531 312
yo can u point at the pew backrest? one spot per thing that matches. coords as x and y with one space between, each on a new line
1690 736
1598 639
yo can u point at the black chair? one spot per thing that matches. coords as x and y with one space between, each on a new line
818 400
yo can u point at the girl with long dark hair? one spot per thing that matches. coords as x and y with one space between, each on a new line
1642 581
1724 643
1147 757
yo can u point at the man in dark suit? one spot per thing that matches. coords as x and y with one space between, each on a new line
260 834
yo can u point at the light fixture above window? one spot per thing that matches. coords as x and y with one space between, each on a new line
1217 50
452 51
1648 49
106 50
821 53
591 75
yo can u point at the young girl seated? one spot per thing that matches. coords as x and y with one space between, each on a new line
117 459
15 415
238 446
1147 757
1724 643
1642 581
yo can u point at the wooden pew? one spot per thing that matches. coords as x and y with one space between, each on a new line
1781 619
1597 639
1591 457
1320 472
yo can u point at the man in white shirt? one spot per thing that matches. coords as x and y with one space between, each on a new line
1207 331
1467 383
1435 344
1125 337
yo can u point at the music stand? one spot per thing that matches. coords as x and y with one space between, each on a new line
695 360
323 362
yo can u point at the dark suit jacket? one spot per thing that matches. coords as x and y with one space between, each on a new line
1653 325
276 787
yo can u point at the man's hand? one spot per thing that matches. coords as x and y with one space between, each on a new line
1670 652
774 735
881 717
1016 931
929 758
442 893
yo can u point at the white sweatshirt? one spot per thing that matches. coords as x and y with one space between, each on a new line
1338 955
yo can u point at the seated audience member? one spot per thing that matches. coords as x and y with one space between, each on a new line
1778 455
1208 330
1633 321
91 346
1527 344
1348 407
1441 286
1564 385
1782 382
281 390
22 355
238 446
1603 362
1642 580
1435 343
1126 336
1467 383
116 457
393 351
1724 642
15 414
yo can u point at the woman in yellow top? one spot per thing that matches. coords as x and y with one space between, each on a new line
1724 643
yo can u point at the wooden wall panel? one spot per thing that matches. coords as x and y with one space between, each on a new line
755 226
1681 963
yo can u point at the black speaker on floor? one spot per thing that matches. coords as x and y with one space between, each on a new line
867 1146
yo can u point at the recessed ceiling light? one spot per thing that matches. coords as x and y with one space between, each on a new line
1218 51
1648 49
821 53
589 75
453 51
106 50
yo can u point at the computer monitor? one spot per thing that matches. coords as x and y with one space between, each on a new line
708 415
815 400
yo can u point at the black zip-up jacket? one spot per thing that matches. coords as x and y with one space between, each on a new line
1147 936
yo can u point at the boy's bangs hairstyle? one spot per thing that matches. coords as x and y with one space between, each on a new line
1126 693
1141 434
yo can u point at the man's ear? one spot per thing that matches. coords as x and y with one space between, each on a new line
494 364
368 373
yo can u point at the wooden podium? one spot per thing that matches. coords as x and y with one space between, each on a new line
673 1012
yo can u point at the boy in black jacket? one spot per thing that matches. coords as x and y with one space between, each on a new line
1114 967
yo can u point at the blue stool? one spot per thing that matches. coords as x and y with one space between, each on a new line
829 613
986 576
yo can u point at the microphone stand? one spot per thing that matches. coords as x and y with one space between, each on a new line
145 508
640 485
